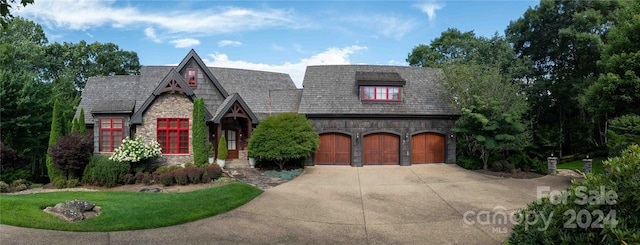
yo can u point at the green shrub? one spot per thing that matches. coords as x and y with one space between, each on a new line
497 166
623 131
602 209
4 187
222 148
467 162
103 172
199 133
163 169
9 174
283 137
522 160
540 167
59 182
73 183
166 179
181 177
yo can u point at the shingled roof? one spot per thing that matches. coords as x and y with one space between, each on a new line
333 91
254 87
106 94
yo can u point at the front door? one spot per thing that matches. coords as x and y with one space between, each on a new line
232 143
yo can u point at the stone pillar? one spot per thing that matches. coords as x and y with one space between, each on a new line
586 165
551 164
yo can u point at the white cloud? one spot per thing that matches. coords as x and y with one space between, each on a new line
85 14
331 56
151 34
232 43
429 8
386 25
185 42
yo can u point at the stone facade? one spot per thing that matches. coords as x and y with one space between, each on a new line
404 128
167 105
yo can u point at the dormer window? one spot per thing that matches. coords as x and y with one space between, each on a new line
379 86
191 77
383 93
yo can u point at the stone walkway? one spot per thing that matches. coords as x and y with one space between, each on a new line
255 177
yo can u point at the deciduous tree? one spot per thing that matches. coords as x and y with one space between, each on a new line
283 137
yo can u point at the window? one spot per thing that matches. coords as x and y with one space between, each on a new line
110 134
173 135
191 77
380 93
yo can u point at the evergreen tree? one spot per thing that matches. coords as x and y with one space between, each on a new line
82 127
57 132
199 133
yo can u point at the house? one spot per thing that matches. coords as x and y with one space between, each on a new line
364 114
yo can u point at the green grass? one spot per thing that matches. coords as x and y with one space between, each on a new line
125 210
596 166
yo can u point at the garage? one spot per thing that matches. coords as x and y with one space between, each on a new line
381 149
427 148
335 149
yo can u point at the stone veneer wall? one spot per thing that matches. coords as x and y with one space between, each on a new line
401 127
167 105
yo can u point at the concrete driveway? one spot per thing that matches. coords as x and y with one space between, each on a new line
426 204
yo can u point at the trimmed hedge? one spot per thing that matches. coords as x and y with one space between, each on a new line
103 172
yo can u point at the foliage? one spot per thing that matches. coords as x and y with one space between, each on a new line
211 172
142 210
491 106
136 150
467 162
618 86
104 172
283 137
34 73
12 174
222 148
199 134
284 174
71 153
57 132
129 179
564 41
611 198
623 132
180 177
167 179
194 174
454 46
4 187
5 10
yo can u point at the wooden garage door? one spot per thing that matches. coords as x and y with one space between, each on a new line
427 148
335 149
381 149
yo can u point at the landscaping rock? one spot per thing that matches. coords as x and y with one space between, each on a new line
74 210
151 189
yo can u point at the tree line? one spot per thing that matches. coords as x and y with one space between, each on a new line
550 85
34 73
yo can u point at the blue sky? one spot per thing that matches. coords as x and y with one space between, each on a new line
280 36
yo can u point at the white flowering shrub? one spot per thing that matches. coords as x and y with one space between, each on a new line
136 150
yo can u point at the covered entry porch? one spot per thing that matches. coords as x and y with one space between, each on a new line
235 121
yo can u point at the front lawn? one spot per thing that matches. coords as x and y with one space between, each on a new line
596 166
125 210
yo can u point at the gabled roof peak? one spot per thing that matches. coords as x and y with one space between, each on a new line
192 55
